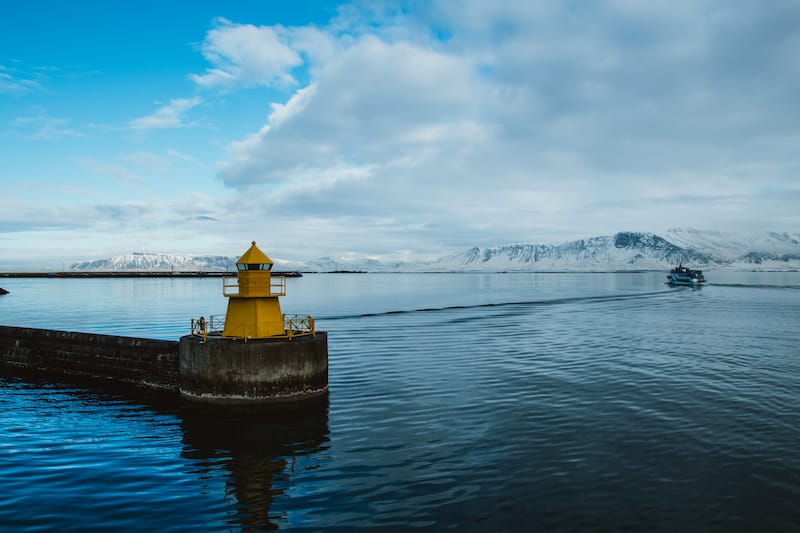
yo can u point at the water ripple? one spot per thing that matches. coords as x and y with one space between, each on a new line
607 408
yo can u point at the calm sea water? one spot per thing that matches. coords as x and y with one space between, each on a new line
561 402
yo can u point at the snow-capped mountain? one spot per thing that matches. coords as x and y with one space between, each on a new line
748 248
621 251
145 262
637 251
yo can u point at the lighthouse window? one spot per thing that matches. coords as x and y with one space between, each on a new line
254 266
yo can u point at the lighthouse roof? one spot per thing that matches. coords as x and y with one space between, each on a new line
254 256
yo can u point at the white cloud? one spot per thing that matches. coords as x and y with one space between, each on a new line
448 124
373 104
43 127
247 55
19 217
115 171
533 118
11 83
180 155
149 162
168 116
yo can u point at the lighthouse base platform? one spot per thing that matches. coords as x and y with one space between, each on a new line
224 370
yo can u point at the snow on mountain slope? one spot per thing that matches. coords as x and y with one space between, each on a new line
621 251
731 246
145 262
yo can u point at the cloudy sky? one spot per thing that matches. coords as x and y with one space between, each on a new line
393 130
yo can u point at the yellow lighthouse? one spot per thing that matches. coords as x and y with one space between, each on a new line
259 355
254 311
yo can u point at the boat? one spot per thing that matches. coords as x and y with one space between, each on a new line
681 275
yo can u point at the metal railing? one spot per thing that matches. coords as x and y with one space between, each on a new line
213 326
277 286
298 325
293 326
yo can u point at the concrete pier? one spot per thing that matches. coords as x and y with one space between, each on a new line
147 363
215 371
226 370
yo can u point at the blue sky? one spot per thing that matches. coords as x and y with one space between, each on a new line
392 130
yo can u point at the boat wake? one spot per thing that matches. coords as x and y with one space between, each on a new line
754 286
524 303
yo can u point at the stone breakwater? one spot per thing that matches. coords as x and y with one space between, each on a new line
143 362
217 371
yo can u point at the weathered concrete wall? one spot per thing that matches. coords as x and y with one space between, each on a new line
144 362
215 371
223 370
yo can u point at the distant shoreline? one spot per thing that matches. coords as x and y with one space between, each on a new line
299 274
132 274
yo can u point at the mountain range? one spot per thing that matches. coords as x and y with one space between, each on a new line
148 262
619 252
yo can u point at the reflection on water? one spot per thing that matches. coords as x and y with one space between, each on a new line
104 456
560 402
258 446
